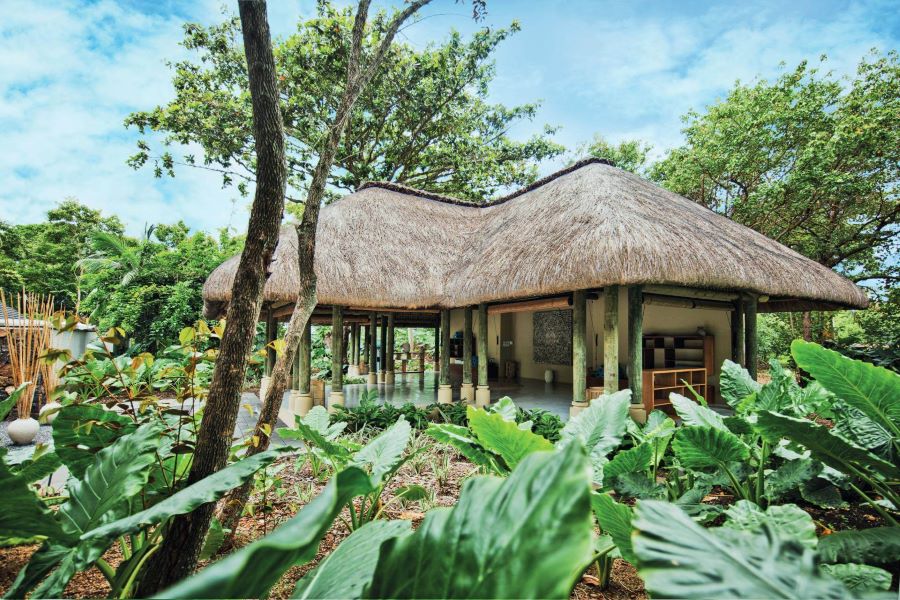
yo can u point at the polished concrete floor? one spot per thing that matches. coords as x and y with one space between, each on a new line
422 390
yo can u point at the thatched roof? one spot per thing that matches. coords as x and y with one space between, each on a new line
589 226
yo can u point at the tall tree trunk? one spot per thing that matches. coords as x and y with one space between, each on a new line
357 79
182 543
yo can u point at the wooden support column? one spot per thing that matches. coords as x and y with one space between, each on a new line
301 400
373 349
389 372
364 352
636 351
437 349
271 336
382 357
483 393
751 352
611 339
739 335
445 392
467 390
337 358
579 356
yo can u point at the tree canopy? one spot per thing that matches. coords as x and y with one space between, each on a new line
810 160
424 121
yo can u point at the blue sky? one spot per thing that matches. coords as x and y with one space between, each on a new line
71 70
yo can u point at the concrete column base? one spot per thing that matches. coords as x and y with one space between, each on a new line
445 394
380 376
264 386
638 413
482 396
467 393
389 377
577 407
373 378
335 399
300 403
352 371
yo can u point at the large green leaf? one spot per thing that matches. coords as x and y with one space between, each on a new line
788 520
384 454
601 426
82 430
336 454
346 571
10 401
528 536
873 390
504 407
615 519
118 473
35 469
735 383
878 546
860 578
184 501
317 419
633 460
504 437
462 439
680 559
790 476
692 413
702 447
23 515
825 446
251 571
855 426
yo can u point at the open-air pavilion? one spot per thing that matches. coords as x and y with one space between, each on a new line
592 277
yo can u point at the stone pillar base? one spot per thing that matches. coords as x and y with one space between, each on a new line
638 413
300 403
577 407
482 396
380 376
389 377
352 371
373 378
445 394
264 386
335 399
467 393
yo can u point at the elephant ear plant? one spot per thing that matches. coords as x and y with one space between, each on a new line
756 553
105 505
381 458
480 548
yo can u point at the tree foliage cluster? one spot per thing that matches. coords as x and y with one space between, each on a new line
150 286
424 120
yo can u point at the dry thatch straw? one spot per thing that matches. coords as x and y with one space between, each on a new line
589 226
27 338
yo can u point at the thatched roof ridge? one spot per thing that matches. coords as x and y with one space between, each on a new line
589 226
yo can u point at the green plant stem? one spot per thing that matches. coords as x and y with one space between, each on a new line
760 473
877 486
108 572
738 488
881 511
126 551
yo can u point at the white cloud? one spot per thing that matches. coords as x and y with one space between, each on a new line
71 71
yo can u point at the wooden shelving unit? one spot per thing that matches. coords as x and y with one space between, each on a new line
659 383
677 351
